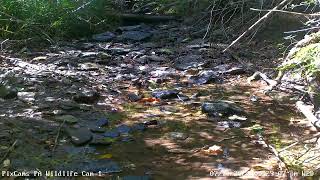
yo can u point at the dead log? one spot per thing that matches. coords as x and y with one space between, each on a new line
307 112
147 18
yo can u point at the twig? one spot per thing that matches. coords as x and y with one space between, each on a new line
276 153
210 23
9 150
264 77
312 158
256 23
299 141
1 44
57 137
287 12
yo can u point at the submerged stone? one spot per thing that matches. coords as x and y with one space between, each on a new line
139 127
68 119
112 133
101 140
97 129
79 136
177 135
123 129
104 166
87 97
102 122
104 37
7 92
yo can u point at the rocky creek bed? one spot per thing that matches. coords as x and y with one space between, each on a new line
143 102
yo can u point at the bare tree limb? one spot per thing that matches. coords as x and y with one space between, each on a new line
287 12
256 23
307 112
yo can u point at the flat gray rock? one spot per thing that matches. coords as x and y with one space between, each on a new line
79 136
221 108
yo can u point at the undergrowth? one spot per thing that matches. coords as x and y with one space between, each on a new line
46 19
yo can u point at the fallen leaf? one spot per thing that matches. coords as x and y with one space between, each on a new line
6 163
150 100
105 156
213 150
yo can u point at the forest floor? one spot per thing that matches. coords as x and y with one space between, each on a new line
135 108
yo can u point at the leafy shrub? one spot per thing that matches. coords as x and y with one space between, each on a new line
54 18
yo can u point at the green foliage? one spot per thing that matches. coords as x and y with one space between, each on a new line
306 61
54 18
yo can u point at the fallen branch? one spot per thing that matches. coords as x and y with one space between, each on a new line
282 163
287 12
147 18
256 23
299 141
57 137
307 112
9 150
257 75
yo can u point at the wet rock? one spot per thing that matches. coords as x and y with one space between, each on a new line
139 127
68 119
133 97
177 135
165 94
204 77
69 105
183 97
88 54
221 108
163 72
151 123
79 136
102 166
88 67
102 122
135 35
126 138
123 129
101 140
136 178
87 97
96 129
7 92
235 70
26 96
118 51
223 125
190 61
104 37
140 27
112 133
156 58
